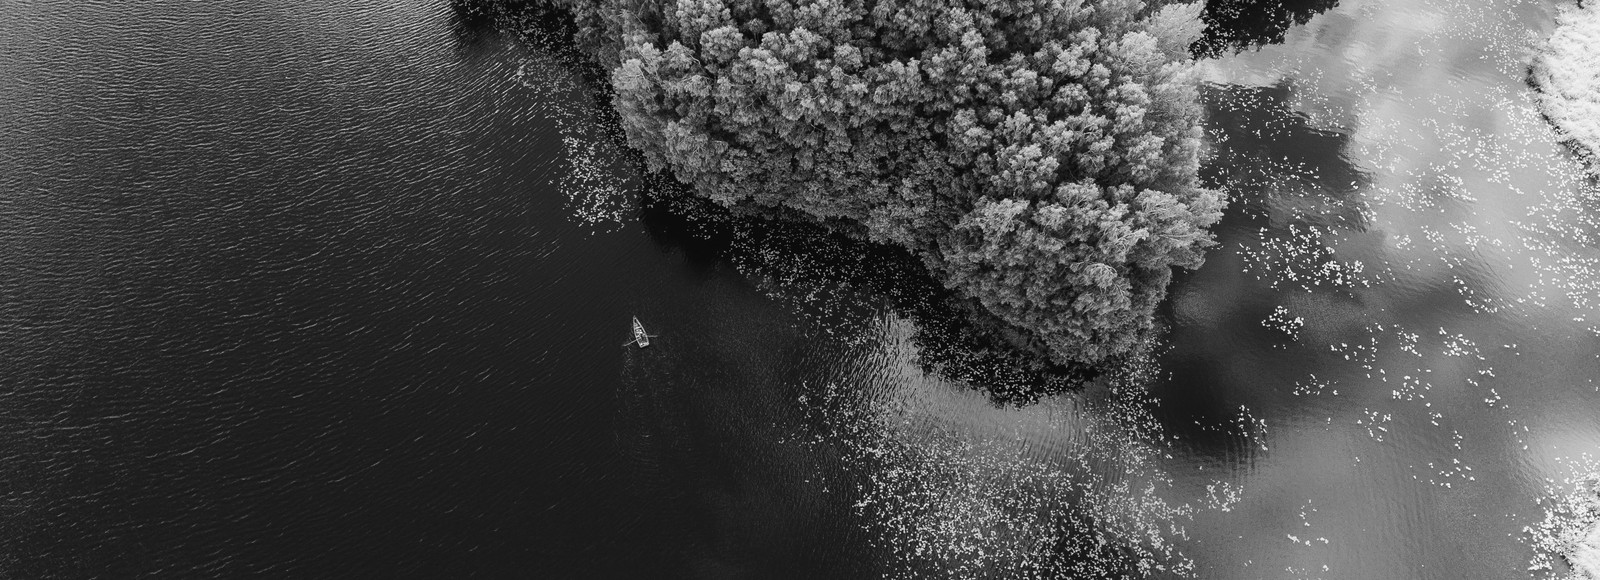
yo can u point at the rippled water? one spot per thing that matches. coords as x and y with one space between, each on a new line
1410 271
283 289
341 292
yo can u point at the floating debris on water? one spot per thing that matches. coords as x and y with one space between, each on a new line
1223 495
1253 429
1376 423
1314 386
1566 543
598 184
937 497
1281 320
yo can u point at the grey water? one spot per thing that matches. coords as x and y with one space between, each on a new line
315 290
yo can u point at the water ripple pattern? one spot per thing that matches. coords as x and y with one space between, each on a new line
270 270
1405 297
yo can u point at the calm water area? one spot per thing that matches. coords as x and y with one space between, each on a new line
339 290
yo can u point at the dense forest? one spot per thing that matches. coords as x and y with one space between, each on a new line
1040 157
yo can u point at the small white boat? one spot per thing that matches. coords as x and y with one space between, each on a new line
640 337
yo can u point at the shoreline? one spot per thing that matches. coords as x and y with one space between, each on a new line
1563 74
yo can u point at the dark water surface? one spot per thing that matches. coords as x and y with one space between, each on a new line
340 292
284 292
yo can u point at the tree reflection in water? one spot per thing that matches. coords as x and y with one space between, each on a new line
1234 25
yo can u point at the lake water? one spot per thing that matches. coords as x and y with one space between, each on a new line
341 292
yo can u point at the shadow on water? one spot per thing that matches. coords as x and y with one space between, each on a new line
840 284
1292 187
1235 25
469 26
1269 155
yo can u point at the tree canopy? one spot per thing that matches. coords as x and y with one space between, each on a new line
1040 156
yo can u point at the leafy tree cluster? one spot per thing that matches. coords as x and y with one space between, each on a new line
1039 156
